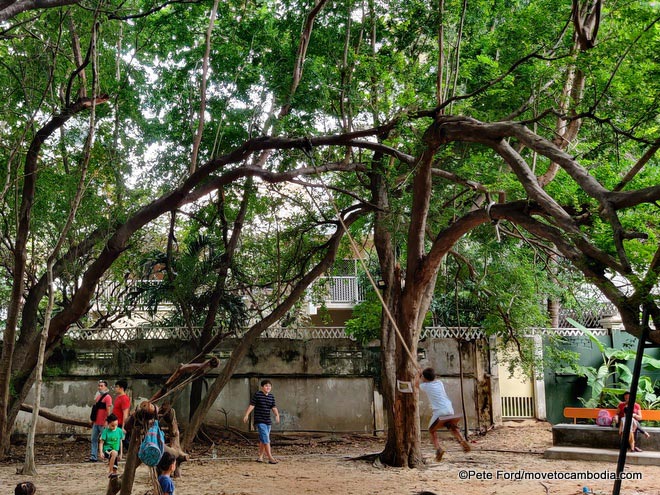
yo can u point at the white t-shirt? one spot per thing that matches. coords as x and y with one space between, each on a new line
440 403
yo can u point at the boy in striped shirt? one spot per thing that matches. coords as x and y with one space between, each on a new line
262 403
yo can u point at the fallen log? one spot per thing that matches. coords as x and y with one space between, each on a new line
50 415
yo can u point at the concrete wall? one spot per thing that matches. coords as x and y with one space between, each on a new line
320 384
453 359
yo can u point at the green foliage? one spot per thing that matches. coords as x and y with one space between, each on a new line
364 325
608 381
502 290
195 269
52 372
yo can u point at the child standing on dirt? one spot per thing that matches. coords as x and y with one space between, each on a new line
443 411
100 411
262 403
166 467
110 445
122 407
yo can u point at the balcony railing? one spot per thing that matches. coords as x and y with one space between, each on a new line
335 290
341 290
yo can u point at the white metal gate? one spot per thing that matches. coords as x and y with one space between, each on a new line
518 407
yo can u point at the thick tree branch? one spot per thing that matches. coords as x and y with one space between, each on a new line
197 139
630 175
118 241
305 36
422 184
586 19
50 415
20 249
592 268
9 9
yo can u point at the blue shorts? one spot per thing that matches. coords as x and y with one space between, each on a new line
264 432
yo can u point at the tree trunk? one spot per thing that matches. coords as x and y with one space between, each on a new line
403 446
7 410
47 414
132 461
196 390
29 466
553 312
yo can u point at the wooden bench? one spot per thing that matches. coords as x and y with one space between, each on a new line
592 413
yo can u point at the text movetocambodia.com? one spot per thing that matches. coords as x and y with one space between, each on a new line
469 474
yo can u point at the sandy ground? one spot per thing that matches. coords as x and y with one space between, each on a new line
328 466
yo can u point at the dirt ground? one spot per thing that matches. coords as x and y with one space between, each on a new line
327 466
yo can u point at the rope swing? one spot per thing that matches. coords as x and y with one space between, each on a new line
402 386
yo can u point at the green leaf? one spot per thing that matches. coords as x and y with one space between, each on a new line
650 363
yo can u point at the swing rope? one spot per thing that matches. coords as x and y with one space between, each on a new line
356 252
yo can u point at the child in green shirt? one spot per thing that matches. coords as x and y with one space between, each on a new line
110 445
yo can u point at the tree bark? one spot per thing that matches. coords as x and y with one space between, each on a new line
19 264
12 8
403 445
50 415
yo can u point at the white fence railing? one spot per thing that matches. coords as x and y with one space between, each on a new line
466 333
123 334
518 407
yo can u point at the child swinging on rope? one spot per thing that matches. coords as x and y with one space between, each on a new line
443 411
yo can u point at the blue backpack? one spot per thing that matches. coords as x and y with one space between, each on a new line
153 445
